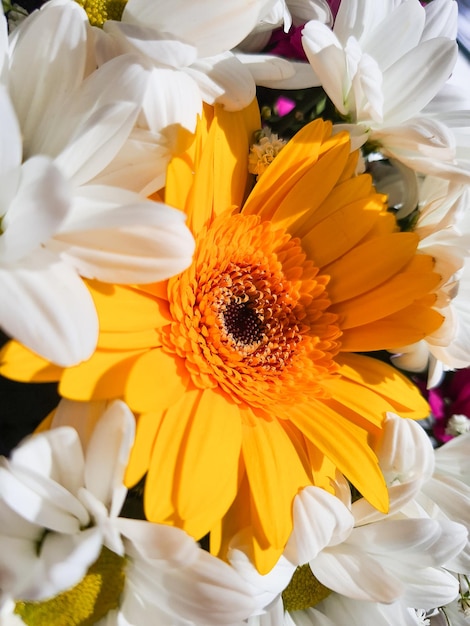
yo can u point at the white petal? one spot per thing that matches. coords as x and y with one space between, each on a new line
327 58
162 48
41 203
100 116
171 100
56 454
116 236
411 82
355 574
266 70
210 592
224 80
65 560
81 416
357 18
441 19
48 62
219 27
158 542
396 35
107 456
42 502
265 588
18 563
10 134
320 520
46 306
433 587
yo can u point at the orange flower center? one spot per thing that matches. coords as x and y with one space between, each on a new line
250 314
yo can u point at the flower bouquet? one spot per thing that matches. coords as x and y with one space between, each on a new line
235 255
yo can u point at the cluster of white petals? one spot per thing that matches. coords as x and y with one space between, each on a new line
381 569
62 493
62 124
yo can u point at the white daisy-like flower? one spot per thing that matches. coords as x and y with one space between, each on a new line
62 493
182 37
61 126
443 227
382 64
357 562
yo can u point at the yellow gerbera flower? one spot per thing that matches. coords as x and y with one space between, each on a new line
242 369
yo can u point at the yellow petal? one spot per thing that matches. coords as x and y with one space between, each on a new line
294 160
275 474
123 309
155 381
159 495
208 471
346 445
102 377
310 191
341 230
409 325
386 380
414 281
139 460
19 363
370 264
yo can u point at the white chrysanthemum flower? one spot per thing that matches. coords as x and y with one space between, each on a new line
364 567
444 230
182 37
381 65
61 126
61 495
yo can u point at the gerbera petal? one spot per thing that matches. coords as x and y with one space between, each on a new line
105 373
289 167
208 471
46 306
155 370
138 311
159 500
348 230
300 197
386 380
360 275
400 291
19 363
273 486
350 452
407 326
139 459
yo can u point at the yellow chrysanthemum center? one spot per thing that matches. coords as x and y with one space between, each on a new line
304 590
250 314
86 603
99 11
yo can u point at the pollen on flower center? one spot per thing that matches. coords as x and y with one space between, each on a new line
99 11
250 314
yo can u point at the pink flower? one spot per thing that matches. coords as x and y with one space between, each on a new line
452 397
287 45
